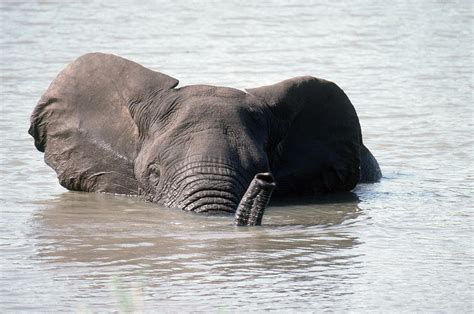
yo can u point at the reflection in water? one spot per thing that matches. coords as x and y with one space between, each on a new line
306 247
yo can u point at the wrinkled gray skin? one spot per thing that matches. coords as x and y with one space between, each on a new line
107 124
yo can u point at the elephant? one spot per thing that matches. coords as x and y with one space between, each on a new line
108 124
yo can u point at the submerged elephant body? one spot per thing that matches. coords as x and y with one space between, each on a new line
107 124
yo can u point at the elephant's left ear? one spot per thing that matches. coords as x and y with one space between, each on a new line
319 151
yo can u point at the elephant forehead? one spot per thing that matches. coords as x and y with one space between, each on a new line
217 105
215 111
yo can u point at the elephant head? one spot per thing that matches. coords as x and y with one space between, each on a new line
107 124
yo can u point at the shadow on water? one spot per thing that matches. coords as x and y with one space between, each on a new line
313 211
335 198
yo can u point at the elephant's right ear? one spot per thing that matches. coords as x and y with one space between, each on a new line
84 126
319 148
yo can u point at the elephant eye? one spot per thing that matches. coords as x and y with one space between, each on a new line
153 172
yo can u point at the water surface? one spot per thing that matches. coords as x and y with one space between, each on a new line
401 245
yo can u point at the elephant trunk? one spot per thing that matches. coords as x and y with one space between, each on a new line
252 206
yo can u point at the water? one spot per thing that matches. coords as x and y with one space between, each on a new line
401 245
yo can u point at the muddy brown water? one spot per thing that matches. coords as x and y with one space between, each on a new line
401 245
